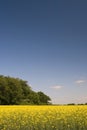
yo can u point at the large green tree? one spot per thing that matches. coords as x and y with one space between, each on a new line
17 91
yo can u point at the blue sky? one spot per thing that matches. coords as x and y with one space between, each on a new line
45 43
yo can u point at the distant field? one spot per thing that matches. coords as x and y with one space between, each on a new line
43 117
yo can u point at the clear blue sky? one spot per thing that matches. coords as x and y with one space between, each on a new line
45 43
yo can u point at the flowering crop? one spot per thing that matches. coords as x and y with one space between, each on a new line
43 117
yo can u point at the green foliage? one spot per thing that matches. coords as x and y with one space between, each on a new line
15 91
44 99
71 104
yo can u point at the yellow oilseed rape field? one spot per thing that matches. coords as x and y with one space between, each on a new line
43 117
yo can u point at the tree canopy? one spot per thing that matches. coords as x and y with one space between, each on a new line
15 91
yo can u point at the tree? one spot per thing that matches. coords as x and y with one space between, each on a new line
10 90
4 91
15 91
34 98
44 99
71 104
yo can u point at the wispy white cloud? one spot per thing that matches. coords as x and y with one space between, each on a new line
81 81
57 87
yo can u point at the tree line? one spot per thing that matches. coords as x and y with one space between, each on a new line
15 91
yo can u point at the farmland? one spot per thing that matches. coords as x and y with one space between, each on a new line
43 117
